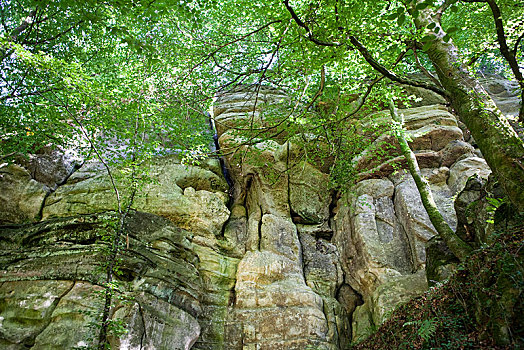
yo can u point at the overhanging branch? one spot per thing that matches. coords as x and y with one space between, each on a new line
390 75
310 35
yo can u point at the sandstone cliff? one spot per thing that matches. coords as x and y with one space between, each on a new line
277 261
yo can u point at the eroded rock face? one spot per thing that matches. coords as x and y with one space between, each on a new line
289 275
382 228
50 286
168 193
277 262
21 196
504 93
54 268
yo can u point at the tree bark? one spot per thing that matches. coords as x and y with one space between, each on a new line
499 143
457 246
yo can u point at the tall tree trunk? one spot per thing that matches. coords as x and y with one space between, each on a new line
459 248
499 143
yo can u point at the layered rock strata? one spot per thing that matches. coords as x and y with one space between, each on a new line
278 261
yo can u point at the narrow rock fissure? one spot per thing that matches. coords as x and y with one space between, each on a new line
223 166
249 181
260 229
291 214
335 196
232 296
303 263
74 169
42 206
410 244
144 334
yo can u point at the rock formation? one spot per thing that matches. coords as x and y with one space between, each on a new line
278 261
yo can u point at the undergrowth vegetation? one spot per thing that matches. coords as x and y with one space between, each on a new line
467 311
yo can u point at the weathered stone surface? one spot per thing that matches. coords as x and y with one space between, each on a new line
375 232
381 233
218 273
247 98
289 265
453 151
463 169
384 299
377 254
26 310
309 194
275 306
412 215
504 93
51 166
160 268
245 106
21 197
423 97
201 208
50 314
322 269
429 128
155 324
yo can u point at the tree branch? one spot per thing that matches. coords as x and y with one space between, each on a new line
424 70
390 75
320 89
365 53
459 248
26 23
209 55
310 36
442 9
58 35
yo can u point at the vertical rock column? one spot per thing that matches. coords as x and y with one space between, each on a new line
273 307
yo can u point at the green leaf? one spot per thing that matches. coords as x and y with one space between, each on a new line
447 38
392 16
401 19
426 46
421 6
428 38
453 8
452 30
431 25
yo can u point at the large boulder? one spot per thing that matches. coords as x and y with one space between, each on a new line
21 197
462 170
378 306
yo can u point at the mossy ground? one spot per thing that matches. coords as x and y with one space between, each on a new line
469 310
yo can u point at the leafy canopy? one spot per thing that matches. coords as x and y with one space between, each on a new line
124 68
